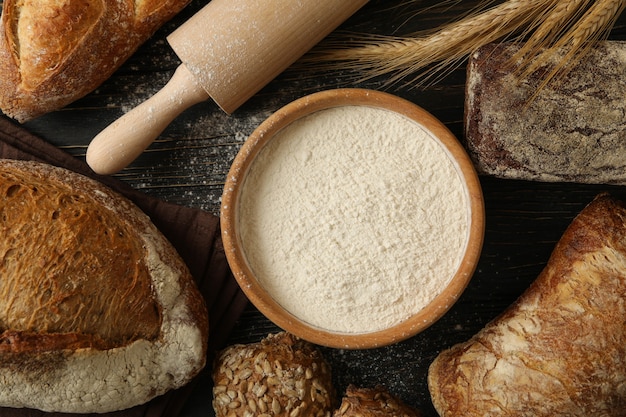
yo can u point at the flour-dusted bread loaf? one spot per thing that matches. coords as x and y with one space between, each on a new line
373 402
560 349
53 52
280 376
97 310
573 129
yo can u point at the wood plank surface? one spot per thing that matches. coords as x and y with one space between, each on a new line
187 165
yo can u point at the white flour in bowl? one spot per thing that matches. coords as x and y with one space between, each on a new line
354 218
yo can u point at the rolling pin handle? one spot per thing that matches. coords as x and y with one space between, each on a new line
125 139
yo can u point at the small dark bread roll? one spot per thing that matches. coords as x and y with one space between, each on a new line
373 402
281 375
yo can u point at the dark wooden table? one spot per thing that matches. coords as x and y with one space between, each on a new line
188 164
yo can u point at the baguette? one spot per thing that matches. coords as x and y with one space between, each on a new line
560 349
53 52
98 312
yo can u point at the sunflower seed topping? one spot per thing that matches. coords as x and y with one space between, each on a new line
281 376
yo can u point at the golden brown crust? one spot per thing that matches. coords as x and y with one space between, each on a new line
78 267
55 51
373 402
560 349
20 343
282 375
89 283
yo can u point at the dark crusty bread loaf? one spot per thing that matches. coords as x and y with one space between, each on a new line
53 52
573 129
97 310
560 349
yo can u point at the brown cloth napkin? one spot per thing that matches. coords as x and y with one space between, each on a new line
193 232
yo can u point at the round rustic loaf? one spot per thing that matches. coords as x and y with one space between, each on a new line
97 310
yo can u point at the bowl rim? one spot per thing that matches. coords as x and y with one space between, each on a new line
264 301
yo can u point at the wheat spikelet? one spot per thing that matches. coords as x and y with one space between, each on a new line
377 55
544 27
553 24
592 26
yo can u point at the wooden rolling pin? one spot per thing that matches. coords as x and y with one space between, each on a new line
229 50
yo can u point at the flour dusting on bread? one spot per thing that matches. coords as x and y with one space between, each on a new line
98 312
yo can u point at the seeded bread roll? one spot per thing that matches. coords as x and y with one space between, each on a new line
282 376
373 402
53 52
97 311
560 349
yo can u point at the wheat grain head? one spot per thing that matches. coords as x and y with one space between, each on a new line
543 27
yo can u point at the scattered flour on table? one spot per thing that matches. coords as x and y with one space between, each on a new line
354 218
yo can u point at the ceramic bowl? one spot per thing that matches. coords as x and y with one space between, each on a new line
264 297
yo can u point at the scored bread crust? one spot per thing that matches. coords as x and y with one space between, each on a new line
62 369
560 349
373 402
53 52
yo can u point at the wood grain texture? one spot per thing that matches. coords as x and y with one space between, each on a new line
188 164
